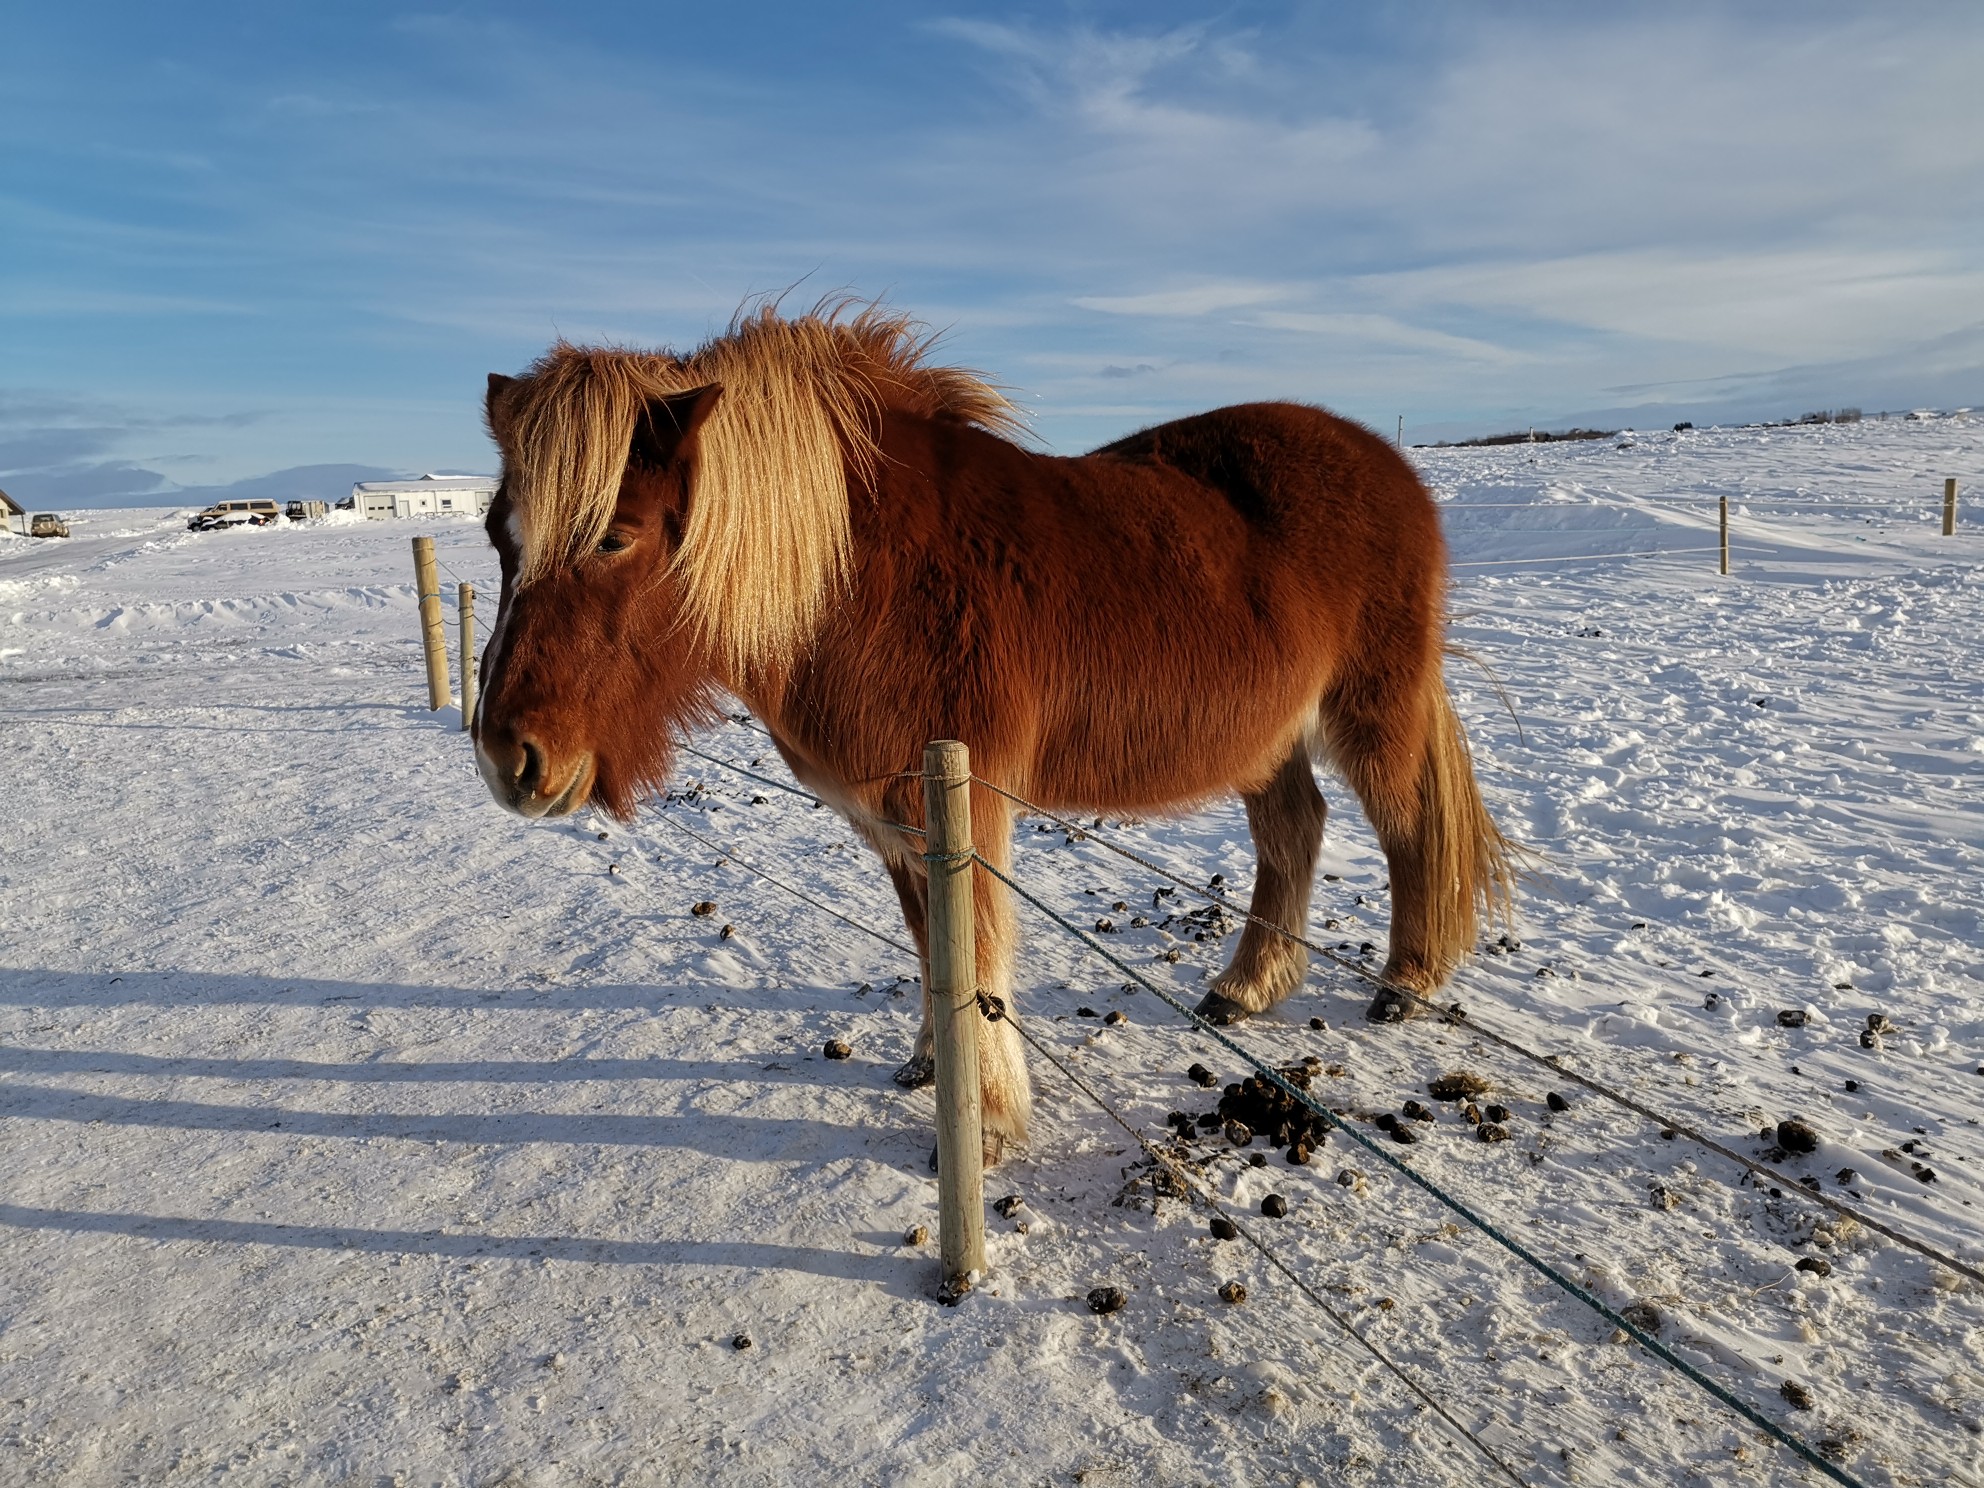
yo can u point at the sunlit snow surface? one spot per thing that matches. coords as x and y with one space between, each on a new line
355 1132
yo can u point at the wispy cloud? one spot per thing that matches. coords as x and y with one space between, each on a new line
1198 299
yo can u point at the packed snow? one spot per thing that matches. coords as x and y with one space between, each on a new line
357 1132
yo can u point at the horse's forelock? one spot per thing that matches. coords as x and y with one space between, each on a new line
567 426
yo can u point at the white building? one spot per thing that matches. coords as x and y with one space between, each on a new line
430 496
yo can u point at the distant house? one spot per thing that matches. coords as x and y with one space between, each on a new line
13 514
430 496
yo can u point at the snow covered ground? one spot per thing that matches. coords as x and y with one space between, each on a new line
354 1132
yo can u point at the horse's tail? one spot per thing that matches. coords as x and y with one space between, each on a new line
1470 867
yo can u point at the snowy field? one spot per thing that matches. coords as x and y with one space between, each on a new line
355 1132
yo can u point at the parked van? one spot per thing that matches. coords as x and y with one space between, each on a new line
257 513
48 524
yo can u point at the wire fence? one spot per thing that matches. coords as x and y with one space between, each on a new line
1728 511
1269 1073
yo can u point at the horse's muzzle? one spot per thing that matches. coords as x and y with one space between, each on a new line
523 777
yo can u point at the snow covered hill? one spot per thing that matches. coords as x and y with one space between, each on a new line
355 1132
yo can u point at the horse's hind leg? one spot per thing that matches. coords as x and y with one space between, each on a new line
1408 761
913 891
1286 818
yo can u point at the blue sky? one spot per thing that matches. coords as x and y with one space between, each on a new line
240 238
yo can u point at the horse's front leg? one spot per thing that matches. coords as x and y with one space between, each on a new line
1005 1092
913 889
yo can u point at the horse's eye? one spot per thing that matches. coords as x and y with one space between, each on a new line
613 542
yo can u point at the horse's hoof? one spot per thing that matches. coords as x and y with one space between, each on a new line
1223 1011
919 1072
1391 1006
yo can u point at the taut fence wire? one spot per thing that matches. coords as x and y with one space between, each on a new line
1200 1193
1273 1076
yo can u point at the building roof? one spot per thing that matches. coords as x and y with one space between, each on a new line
10 505
431 483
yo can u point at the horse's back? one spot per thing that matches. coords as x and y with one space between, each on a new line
1286 465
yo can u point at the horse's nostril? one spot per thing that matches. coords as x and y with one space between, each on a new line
530 771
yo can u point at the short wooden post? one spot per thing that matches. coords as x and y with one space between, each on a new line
465 606
954 1014
1723 502
1949 507
433 633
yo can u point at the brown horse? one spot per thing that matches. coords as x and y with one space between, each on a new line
806 515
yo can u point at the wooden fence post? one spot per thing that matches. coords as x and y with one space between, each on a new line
1949 507
433 633
465 604
1723 502
954 1014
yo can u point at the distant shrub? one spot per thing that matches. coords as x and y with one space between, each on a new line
1529 436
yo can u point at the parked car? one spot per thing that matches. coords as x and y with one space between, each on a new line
256 513
47 524
303 511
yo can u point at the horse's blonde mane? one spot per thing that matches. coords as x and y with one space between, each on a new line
767 537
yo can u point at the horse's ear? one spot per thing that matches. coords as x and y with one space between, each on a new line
496 404
666 428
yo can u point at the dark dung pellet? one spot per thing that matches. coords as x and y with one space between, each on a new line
1460 1085
1223 1229
1274 1206
837 1049
1103 1300
1556 1102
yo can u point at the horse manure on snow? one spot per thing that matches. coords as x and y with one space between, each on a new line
1460 1085
1103 1300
